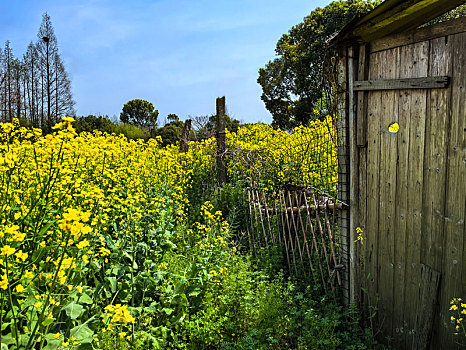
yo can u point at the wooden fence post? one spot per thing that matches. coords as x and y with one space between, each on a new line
221 168
343 173
185 136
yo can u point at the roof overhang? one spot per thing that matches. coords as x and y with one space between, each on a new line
391 17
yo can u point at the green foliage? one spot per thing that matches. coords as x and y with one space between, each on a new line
230 123
91 122
170 132
143 270
458 12
291 83
173 117
230 201
140 113
132 132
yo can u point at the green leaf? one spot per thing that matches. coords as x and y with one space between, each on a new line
52 344
83 333
74 310
195 292
179 318
113 283
86 299
5 324
167 310
8 339
47 321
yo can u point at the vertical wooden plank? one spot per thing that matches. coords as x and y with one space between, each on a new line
332 246
354 276
322 234
388 166
373 167
343 176
272 237
287 228
304 229
361 120
453 220
435 155
279 236
253 198
314 240
252 222
362 220
252 243
260 209
282 208
296 231
363 73
428 289
415 65
401 195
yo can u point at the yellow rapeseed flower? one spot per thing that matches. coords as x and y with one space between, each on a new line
7 250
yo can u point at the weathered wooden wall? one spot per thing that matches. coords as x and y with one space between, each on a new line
408 189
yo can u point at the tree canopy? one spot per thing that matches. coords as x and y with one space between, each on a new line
292 82
170 132
140 113
91 122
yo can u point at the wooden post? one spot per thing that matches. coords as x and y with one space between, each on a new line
343 172
185 136
352 108
221 168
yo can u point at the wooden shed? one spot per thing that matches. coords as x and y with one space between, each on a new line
402 112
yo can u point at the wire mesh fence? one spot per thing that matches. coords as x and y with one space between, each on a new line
292 194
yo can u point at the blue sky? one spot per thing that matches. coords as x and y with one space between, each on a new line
179 54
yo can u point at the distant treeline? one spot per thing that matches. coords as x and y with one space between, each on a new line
202 127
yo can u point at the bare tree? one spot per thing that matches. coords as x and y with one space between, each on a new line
56 87
31 76
36 88
17 72
2 89
7 71
47 49
200 121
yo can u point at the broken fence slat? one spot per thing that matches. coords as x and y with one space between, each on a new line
311 207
